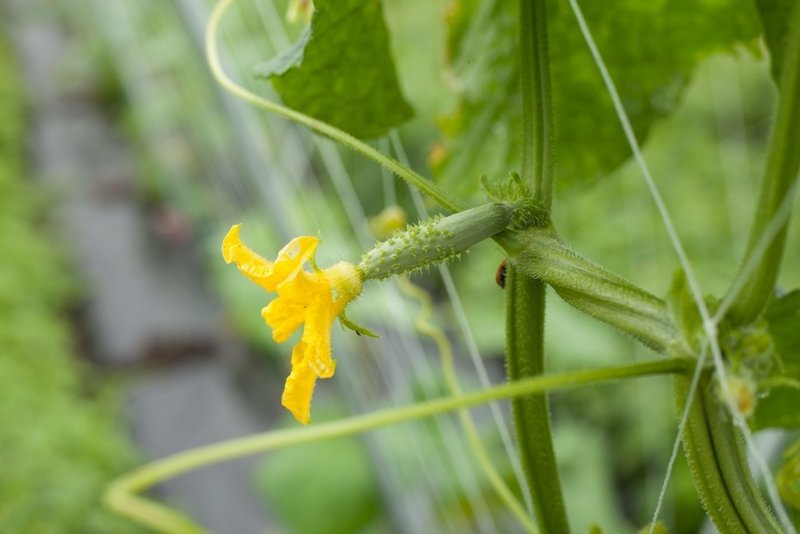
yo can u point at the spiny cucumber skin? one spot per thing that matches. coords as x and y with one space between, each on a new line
434 241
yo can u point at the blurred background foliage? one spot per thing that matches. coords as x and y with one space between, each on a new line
699 92
60 433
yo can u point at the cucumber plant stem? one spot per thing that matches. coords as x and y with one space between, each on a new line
702 459
537 120
525 296
525 358
781 173
718 463
734 467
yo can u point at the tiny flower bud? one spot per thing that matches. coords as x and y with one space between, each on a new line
742 394
299 10
388 221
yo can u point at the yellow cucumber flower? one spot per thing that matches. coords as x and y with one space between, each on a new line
312 299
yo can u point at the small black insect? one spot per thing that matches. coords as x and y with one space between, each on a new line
500 275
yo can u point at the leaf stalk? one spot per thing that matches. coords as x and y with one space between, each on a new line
781 175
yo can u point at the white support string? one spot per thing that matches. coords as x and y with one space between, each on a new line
709 325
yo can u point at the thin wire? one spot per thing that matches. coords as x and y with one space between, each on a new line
709 326
698 371
640 161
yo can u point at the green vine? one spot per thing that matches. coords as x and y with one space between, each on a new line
782 172
413 178
525 296
718 462
537 113
734 467
701 457
122 495
524 358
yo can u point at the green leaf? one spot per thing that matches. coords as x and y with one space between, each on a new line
774 15
650 48
779 407
341 70
290 58
783 317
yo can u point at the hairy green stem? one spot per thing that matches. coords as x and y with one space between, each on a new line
594 290
734 467
537 117
413 178
781 173
121 494
718 462
702 459
525 296
525 358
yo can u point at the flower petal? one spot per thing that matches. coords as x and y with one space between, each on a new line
298 354
304 287
249 263
262 271
286 313
320 315
284 317
298 391
291 257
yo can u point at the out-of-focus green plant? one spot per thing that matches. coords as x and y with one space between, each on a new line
60 440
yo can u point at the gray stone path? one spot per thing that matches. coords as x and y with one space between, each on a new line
145 299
